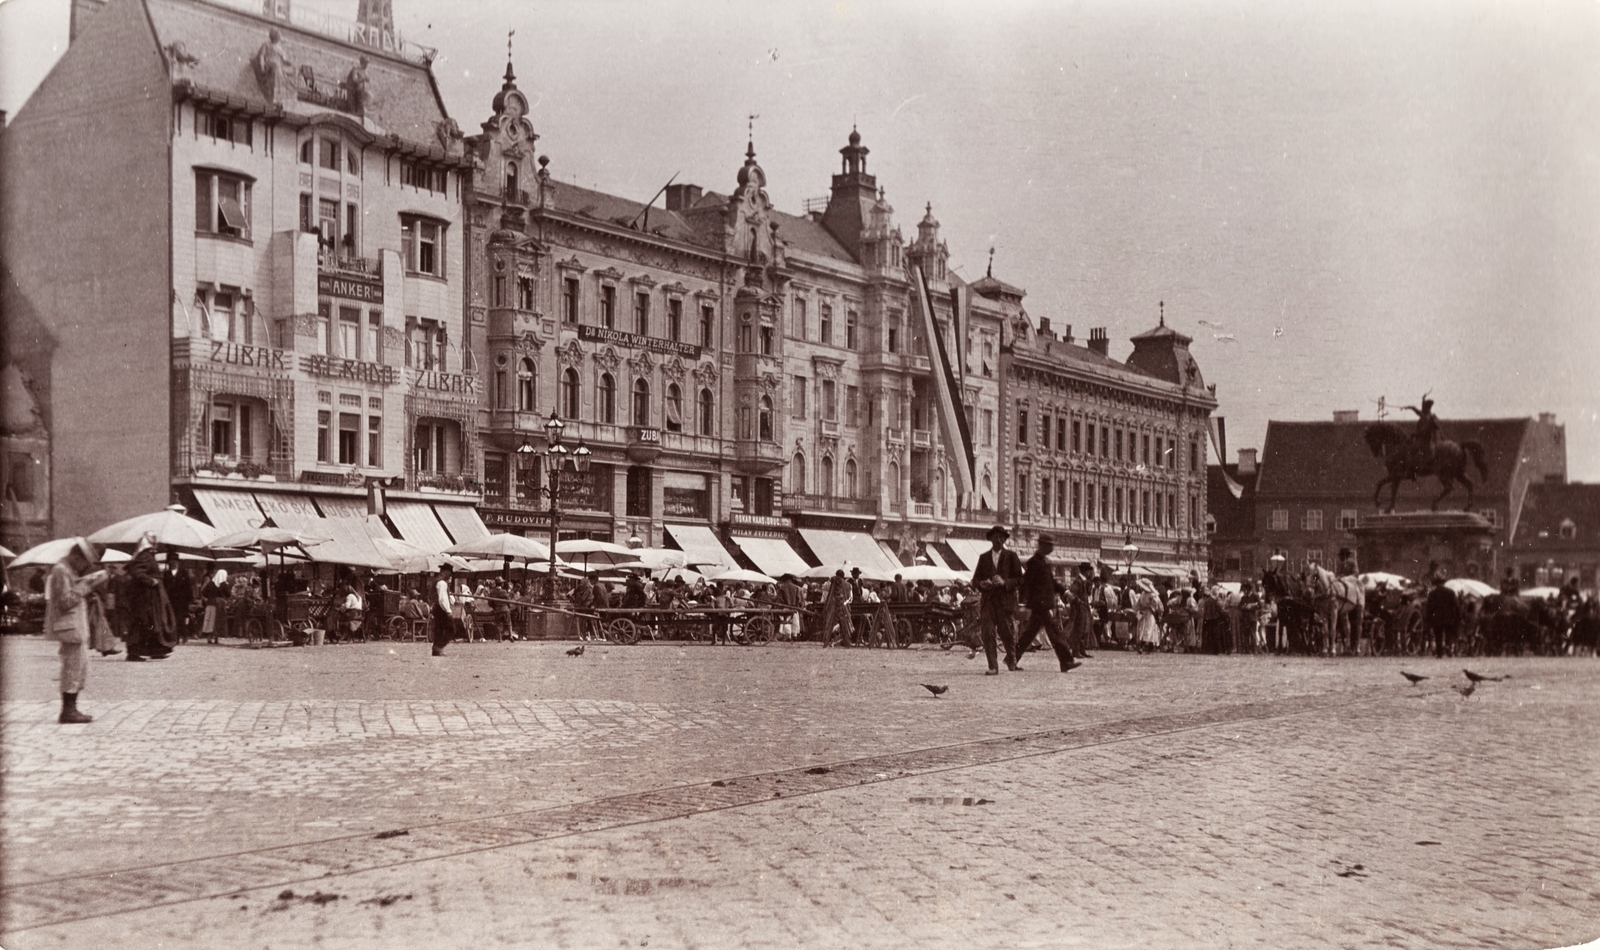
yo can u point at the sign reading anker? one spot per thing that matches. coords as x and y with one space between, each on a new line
330 285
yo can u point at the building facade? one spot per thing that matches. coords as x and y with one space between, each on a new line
1108 458
263 315
1558 536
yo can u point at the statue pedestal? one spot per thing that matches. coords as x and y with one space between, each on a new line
1459 542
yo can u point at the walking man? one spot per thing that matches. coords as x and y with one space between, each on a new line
1442 613
444 602
997 577
1039 592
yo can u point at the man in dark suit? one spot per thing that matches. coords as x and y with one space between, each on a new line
180 593
1442 612
1039 592
997 577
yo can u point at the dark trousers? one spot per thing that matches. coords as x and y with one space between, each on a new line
1041 618
445 629
996 622
1443 636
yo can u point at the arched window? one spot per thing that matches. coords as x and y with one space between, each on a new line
511 181
674 408
764 419
797 474
641 402
988 493
894 484
707 412
527 384
850 478
607 410
825 475
569 393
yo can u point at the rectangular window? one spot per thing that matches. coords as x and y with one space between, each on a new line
852 405
1022 492
1349 516
850 329
1061 433
892 343
349 333
325 328
525 293
1314 555
223 128
675 320
569 300
830 402
1144 507
1161 455
1061 497
799 330
1105 442
1077 437
1194 456
797 399
222 428
1022 425
1312 520
608 306
352 214
1280 519
708 320
221 204
988 427
1118 518
374 347
1172 510
375 441
422 242
825 330
499 290
1044 431
1145 450
1116 440
641 314
1088 503
329 154
308 220
323 419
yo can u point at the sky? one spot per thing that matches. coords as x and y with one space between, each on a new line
1340 201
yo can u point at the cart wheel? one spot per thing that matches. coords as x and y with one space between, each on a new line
903 633
758 630
254 629
622 630
398 628
945 634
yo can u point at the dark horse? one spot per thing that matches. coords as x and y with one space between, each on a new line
1449 462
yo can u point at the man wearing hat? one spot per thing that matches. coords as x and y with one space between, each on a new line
66 612
444 602
836 610
1039 592
1442 611
997 577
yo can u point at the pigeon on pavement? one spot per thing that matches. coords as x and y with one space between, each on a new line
1465 691
1479 677
576 651
937 691
1414 678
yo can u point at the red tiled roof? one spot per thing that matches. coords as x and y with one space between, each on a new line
1546 506
1332 458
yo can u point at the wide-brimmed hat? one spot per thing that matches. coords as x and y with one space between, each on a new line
85 549
1045 539
997 529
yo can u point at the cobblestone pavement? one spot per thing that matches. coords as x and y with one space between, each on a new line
689 796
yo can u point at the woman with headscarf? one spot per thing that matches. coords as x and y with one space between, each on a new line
66 621
1148 606
150 623
215 596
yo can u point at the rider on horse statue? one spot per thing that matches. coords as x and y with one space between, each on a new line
1426 435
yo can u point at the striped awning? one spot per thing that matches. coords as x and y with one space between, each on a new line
417 523
773 556
700 545
462 522
229 511
849 547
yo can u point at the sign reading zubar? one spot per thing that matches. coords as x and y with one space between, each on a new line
638 341
369 291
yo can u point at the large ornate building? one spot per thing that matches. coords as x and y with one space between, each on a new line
238 229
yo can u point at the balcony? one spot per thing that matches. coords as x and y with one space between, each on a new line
644 444
922 509
331 262
830 429
757 458
831 503
755 365
921 439
896 436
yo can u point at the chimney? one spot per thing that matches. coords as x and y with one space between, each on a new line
682 197
1044 328
1346 415
1547 418
1099 341
1066 333
1247 462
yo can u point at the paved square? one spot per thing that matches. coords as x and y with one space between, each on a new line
670 795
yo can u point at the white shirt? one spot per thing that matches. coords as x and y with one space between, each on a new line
442 595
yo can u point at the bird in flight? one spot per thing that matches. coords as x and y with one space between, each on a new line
1214 326
1413 677
1225 337
937 691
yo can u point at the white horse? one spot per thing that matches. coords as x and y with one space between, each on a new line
1339 601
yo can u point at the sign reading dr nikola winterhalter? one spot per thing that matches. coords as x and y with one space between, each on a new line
638 341
351 288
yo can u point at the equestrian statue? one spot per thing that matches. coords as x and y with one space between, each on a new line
1409 456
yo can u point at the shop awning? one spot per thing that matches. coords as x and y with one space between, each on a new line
849 547
348 541
890 552
418 524
462 522
935 558
700 545
968 550
354 510
773 556
229 511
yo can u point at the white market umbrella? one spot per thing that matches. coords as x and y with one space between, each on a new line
599 553
688 576
1371 580
46 554
6 552
741 576
1469 587
1540 593
658 559
408 557
501 546
933 572
267 539
171 526
868 571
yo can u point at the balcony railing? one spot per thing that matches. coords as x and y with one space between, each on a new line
830 429
921 439
922 509
833 503
896 436
329 259
757 458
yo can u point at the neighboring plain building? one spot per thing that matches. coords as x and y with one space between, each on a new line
1107 457
237 229
1316 479
1558 536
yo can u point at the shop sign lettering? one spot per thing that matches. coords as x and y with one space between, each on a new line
638 341
332 367
235 354
370 291
446 383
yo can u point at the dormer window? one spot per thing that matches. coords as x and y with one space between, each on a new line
511 181
1569 530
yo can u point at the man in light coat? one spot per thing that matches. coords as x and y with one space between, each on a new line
67 621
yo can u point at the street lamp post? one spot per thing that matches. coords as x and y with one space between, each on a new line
557 459
1129 552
